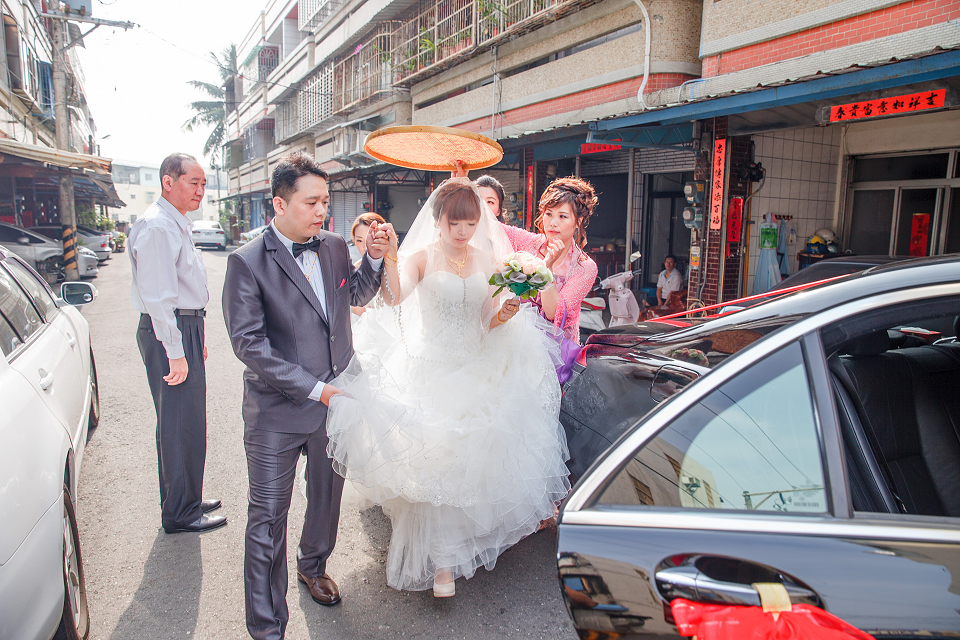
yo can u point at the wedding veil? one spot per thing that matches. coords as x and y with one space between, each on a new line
421 254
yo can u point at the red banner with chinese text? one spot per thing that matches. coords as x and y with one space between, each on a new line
888 106
716 189
919 234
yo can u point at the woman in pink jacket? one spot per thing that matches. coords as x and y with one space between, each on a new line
563 214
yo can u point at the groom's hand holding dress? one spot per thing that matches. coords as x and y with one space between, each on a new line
379 239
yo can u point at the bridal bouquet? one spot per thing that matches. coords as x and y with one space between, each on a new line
523 273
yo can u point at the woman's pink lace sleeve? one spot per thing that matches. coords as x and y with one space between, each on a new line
575 289
521 239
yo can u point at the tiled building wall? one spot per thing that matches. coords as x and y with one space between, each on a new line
801 181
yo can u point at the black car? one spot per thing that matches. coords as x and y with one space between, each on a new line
832 267
813 440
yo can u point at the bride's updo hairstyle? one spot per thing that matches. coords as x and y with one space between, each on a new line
579 194
456 197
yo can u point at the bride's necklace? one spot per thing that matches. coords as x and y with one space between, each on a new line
456 265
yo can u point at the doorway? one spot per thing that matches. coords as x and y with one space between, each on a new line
664 232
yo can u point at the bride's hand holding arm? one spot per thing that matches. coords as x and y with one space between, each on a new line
507 311
390 284
550 297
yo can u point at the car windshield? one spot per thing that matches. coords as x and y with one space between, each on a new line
206 225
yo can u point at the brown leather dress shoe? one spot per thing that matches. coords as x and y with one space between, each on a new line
323 589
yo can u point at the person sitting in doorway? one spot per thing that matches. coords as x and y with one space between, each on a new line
669 281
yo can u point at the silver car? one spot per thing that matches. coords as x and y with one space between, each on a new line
247 236
48 391
209 234
96 241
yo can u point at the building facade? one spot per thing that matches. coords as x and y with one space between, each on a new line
633 95
31 167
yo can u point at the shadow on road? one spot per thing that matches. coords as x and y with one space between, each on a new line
167 602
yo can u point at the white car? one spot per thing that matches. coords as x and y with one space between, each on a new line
49 396
209 234
247 236
87 263
38 251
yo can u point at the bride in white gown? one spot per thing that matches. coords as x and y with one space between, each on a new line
449 412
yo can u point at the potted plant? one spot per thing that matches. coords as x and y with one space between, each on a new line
119 241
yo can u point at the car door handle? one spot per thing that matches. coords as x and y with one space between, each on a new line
689 583
71 340
46 379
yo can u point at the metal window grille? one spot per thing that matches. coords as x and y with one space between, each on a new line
258 139
312 13
366 73
435 34
315 98
259 66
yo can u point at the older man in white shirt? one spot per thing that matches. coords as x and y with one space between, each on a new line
169 290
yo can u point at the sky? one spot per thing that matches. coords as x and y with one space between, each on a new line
136 80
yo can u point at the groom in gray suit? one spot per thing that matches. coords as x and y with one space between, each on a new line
286 302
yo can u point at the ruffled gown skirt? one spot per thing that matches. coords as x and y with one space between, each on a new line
458 440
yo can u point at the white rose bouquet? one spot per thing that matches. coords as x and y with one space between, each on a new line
523 273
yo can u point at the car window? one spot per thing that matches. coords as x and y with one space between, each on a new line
37 291
48 232
751 445
10 234
9 340
17 308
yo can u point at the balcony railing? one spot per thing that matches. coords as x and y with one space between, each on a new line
258 139
259 64
312 13
309 108
364 74
436 34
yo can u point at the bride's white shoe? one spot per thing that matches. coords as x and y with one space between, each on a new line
444 589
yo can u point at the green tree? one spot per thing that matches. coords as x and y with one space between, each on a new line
213 112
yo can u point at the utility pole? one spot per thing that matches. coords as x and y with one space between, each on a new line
68 214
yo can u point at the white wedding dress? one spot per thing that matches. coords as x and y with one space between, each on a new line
451 426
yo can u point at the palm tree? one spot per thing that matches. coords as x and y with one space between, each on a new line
214 112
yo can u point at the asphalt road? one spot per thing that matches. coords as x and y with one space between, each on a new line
144 584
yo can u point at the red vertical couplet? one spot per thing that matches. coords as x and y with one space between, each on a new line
716 189
529 222
734 222
919 234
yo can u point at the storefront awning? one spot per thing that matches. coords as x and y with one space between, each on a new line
56 157
936 65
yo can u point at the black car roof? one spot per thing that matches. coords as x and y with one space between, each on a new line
794 306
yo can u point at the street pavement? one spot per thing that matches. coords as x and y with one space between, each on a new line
143 584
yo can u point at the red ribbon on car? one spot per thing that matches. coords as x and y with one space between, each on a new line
724 622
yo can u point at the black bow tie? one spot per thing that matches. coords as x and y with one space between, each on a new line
307 246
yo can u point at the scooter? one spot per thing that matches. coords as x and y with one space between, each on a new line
623 304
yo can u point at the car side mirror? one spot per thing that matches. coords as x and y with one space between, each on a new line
23 240
77 293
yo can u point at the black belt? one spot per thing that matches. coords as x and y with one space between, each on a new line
190 312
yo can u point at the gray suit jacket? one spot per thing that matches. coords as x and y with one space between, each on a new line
278 328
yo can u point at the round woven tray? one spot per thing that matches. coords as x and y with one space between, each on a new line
432 148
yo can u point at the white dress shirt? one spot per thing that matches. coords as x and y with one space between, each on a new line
308 263
668 283
168 271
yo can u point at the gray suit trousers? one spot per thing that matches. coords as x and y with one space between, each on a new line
271 464
181 420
